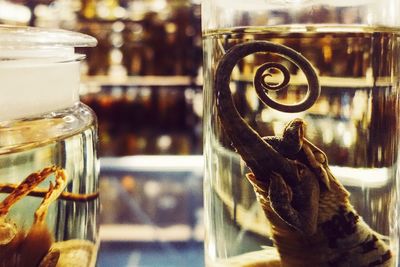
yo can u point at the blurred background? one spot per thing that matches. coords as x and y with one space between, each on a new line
143 80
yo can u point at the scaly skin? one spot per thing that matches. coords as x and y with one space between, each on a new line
313 222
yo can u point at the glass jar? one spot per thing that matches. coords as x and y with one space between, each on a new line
48 164
301 132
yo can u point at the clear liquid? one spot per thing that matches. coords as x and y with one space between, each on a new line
66 140
354 121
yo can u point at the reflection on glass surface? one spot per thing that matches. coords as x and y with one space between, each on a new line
152 211
153 116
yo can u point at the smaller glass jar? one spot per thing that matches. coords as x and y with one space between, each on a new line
48 164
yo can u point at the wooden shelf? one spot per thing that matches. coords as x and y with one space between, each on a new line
141 81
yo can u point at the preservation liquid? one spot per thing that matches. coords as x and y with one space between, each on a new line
354 121
66 141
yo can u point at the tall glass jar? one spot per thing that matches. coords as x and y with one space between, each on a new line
301 132
48 164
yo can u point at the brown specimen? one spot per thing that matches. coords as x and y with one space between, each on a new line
34 248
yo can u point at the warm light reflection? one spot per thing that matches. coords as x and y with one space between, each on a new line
357 177
13 12
154 163
362 177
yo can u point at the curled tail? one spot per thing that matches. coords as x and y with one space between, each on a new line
259 156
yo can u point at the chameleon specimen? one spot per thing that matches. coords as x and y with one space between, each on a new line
312 220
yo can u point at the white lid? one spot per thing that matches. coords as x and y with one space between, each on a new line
39 70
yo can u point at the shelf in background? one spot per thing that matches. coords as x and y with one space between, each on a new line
145 163
141 81
151 199
149 233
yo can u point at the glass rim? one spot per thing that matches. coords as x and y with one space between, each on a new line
35 37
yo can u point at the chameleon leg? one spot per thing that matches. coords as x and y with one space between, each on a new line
39 240
41 192
280 195
53 193
295 206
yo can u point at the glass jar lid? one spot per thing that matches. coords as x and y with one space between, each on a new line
28 42
41 65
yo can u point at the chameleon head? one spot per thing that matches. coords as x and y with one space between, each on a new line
294 134
295 127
